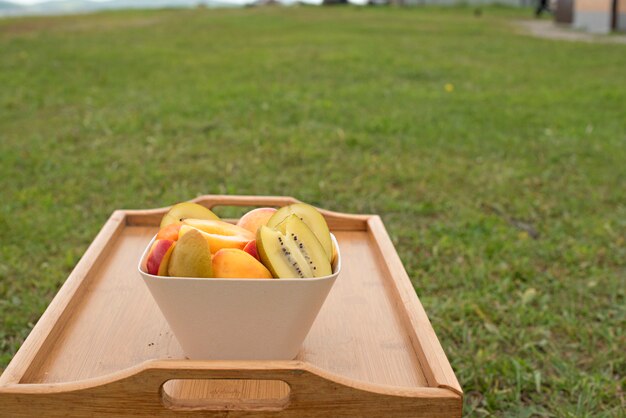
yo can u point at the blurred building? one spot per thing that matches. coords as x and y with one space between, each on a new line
599 16
621 16
470 2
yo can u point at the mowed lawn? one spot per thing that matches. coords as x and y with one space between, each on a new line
496 160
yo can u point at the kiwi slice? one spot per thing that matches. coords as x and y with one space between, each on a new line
305 241
282 225
312 218
280 255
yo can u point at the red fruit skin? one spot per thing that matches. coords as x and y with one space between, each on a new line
250 248
156 255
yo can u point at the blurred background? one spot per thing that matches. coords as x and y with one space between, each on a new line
21 7
490 138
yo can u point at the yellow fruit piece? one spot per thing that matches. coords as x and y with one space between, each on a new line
217 242
191 256
218 227
185 210
234 263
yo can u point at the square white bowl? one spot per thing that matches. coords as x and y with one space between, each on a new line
240 319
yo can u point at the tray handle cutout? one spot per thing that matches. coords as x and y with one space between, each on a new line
225 395
336 220
213 201
228 207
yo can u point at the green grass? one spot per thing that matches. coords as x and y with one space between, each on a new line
346 108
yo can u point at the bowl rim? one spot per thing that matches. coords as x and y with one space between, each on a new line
146 275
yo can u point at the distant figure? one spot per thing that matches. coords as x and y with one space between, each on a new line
542 5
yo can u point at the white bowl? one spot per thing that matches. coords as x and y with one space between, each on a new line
240 319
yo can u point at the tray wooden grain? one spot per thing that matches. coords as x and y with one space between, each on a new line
102 348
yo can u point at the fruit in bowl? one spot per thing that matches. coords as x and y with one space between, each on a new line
291 242
246 290
256 218
292 250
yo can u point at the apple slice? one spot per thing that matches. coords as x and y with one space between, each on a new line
181 211
312 218
191 256
159 256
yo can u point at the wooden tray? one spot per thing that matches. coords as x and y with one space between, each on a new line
103 348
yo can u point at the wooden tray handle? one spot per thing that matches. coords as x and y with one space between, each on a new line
139 392
211 201
152 217
336 220
308 388
156 378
